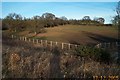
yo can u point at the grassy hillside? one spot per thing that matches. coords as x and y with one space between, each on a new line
22 59
78 34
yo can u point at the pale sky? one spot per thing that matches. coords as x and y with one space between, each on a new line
72 10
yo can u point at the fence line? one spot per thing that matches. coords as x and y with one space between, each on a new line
46 43
108 45
61 45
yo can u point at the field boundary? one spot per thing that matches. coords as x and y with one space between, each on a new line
46 43
62 45
108 45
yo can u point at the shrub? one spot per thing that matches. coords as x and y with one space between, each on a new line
93 53
43 31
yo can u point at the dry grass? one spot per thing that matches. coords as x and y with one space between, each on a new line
23 60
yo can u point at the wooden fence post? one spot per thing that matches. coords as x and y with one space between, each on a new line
56 43
75 46
12 36
20 38
29 40
62 45
37 41
25 39
68 46
41 42
33 40
51 43
46 42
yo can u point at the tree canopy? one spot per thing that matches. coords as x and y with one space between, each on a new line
116 18
36 24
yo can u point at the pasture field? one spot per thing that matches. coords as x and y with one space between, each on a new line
23 59
77 34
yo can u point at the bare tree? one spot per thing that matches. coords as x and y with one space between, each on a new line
115 20
118 9
118 15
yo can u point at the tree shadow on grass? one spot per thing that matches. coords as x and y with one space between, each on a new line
55 71
100 38
74 42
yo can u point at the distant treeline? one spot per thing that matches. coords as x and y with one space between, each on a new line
37 23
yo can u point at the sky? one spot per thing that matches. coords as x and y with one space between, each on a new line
60 0
71 10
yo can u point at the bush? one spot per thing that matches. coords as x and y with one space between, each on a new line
43 30
93 53
105 56
4 28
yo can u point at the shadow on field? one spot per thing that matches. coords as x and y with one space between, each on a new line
74 42
20 44
55 71
100 38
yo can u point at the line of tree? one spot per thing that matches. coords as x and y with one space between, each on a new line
37 23
87 21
